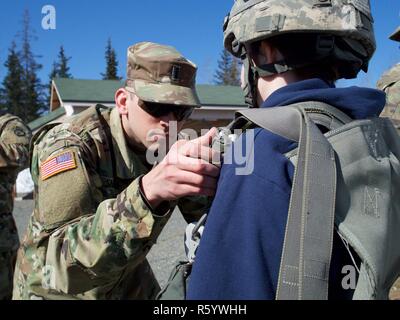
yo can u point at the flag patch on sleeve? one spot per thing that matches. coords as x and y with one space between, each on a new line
55 165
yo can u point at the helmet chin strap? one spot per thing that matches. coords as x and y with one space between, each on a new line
253 73
250 80
250 84
271 69
325 47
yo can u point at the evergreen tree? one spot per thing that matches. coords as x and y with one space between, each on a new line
111 63
228 72
12 86
235 72
60 68
222 75
63 68
32 93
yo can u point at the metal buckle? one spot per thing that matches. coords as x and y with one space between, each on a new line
193 234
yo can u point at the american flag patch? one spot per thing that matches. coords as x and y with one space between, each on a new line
55 165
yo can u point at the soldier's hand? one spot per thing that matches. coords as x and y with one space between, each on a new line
187 170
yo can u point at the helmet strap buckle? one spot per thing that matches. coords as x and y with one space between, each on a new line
325 44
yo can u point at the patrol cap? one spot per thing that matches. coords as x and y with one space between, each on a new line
396 35
159 73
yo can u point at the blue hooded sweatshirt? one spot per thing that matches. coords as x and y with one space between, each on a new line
240 250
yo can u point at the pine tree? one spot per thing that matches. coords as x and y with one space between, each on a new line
111 63
11 91
60 68
63 68
228 72
32 93
235 72
222 75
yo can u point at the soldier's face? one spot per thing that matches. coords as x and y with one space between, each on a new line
142 129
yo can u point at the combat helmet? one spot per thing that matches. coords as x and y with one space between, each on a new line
344 28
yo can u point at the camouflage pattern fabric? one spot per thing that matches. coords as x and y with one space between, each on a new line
395 291
159 73
255 20
90 230
390 83
339 24
14 150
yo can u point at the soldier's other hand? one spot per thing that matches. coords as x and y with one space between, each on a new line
187 170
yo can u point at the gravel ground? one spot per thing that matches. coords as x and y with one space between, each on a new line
22 213
163 256
165 253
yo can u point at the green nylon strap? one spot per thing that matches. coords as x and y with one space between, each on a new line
284 121
107 168
270 69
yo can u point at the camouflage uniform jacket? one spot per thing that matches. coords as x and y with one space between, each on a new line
14 150
90 230
390 83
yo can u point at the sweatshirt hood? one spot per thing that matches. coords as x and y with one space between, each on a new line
358 103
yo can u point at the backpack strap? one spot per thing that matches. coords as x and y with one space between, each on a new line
93 127
107 172
90 125
307 249
284 122
37 137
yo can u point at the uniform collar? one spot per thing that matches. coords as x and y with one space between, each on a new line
128 163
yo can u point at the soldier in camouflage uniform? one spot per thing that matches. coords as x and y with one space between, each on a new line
390 83
99 204
14 146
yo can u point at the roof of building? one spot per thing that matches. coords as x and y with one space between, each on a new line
102 91
36 124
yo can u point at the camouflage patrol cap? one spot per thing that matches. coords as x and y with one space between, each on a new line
396 35
254 20
159 73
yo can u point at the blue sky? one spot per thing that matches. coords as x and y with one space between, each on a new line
193 27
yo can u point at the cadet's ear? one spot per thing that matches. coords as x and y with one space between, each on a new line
268 53
121 101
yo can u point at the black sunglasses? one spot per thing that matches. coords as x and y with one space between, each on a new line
158 110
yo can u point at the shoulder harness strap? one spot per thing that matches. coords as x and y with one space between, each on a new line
307 250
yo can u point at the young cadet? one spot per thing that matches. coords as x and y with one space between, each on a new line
294 52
